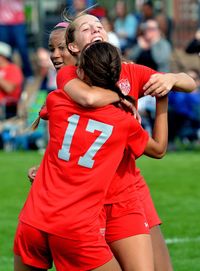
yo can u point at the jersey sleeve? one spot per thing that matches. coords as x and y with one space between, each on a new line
65 74
142 75
137 138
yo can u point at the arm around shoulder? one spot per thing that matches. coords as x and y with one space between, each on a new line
89 96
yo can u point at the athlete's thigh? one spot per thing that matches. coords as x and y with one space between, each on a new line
151 214
112 265
160 251
134 253
20 266
76 255
125 219
31 245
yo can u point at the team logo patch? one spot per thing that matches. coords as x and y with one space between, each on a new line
102 231
124 86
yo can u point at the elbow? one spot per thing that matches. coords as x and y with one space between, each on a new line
160 151
194 85
191 84
88 101
156 153
160 154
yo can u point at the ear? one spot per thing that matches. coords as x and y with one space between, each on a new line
73 47
80 73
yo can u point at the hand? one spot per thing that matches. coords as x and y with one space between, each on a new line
143 43
159 84
129 107
32 173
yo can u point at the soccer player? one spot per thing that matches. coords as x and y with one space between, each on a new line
60 219
136 81
60 57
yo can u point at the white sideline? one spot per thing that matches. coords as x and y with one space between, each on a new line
177 240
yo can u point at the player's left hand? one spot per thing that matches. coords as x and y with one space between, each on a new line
159 84
129 107
32 173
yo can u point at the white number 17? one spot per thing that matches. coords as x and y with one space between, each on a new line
87 159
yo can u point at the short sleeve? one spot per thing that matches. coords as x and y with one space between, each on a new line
65 74
142 74
137 138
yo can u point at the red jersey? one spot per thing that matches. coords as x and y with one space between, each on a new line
13 74
132 79
82 156
128 178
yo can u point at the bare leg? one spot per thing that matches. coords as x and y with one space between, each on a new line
20 266
134 253
112 265
161 254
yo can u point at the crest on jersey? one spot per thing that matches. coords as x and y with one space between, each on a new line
124 86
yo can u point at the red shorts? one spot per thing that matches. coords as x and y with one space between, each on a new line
147 202
40 249
123 219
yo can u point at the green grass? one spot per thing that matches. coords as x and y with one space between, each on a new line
175 187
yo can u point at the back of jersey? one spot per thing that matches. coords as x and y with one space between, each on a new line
84 151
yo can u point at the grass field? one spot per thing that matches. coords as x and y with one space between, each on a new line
175 186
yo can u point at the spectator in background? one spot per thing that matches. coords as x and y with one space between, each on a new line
69 3
154 51
47 71
146 11
165 24
77 6
194 45
16 133
151 49
11 83
125 25
98 11
112 36
13 32
193 104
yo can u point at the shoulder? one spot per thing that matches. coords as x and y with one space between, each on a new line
136 69
66 74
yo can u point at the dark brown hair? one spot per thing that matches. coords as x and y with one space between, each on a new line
101 63
70 36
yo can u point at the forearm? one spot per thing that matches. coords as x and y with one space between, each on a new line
160 130
183 82
157 145
90 96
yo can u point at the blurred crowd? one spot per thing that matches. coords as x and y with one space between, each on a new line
144 37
